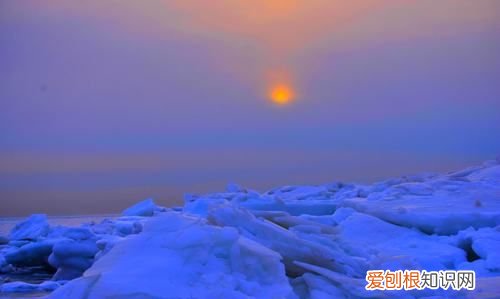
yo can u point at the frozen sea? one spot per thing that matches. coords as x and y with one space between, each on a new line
293 242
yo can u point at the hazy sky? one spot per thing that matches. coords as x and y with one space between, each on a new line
103 103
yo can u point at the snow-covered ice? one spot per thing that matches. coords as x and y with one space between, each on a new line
289 242
181 256
24 287
33 228
146 207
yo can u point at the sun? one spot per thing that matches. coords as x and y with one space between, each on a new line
281 94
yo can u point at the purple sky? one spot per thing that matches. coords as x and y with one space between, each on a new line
103 103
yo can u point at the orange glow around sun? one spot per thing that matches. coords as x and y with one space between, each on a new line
281 94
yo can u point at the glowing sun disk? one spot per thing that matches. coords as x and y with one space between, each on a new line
281 94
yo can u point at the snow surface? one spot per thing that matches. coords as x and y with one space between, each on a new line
290 242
